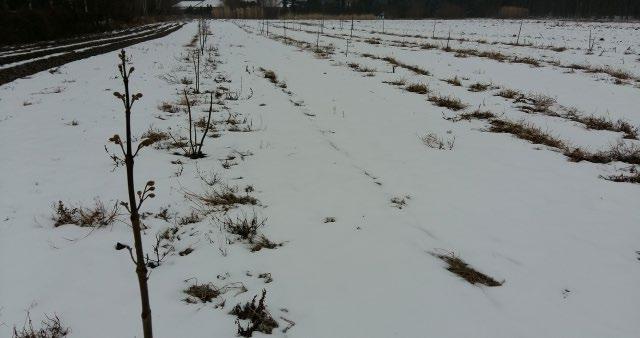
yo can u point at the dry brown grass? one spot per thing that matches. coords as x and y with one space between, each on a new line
525 131
397 82
418 88
395 62
168 108
96 216
244 227
479 87
454 81
526 60
155 135
52 327
359 68
603 123
622 178
447 102
475 115
269 75
459 267
221 197
509 94
434 141
262 242
618 152
207 292
203 292
540 103
258 316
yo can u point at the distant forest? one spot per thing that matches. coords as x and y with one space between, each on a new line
31 20
473 8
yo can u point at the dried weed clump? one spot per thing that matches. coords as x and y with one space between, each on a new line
96 216
459 267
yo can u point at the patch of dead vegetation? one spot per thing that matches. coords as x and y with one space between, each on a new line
447 102
399 201
618 152
155 137
51 327
434 141
454 81
526 60
207 292
96 216
269 75
538 103
525 131
394 62
460 268
220 197
418 88
619 74
475 115
509 94
244 227
602 123
167 107
397 82
622 178
479 87
255 315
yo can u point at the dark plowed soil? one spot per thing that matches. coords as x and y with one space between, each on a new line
28 68
50 47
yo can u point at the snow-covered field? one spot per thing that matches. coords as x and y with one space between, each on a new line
342 161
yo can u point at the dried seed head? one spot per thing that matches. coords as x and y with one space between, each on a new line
115 139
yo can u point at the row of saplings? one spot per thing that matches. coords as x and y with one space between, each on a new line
254 313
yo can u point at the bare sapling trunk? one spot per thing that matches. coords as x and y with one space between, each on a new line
134 204
191 146
591 42
206 128
203 33
519 31
351 36
195 59
195 148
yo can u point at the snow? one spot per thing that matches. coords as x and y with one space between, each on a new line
518 212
